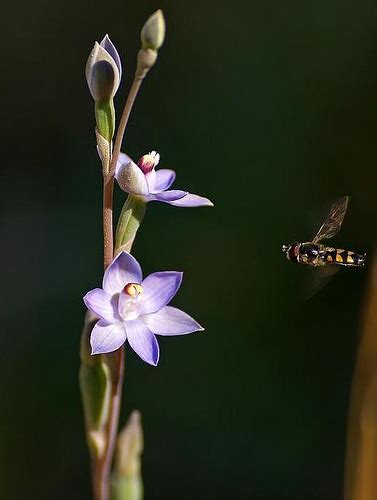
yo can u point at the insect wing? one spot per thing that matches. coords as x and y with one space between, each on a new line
334 220
317 279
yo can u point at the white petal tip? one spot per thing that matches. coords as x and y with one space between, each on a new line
152 363
207 203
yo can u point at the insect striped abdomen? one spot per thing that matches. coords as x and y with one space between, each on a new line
343 257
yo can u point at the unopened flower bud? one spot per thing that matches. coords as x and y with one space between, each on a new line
103 70
126 481
102 81
130 447
153 32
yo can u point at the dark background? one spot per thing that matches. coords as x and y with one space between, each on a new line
269 109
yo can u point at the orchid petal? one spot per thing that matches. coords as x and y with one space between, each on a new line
171 321
108 45
151 179
107 338
191 200
164 179
167 196
124 269
143 341
122 159
158 290
103 305
131 179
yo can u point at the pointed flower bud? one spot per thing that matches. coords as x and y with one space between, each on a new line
130 447
103 70
153 32
126 482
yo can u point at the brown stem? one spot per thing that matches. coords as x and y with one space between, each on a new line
124 119
101 468
98 482
108 243
114 413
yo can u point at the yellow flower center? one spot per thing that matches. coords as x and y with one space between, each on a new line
133 289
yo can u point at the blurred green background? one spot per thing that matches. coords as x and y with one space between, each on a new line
269 109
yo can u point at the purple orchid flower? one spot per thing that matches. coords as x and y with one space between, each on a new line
135 309
143 180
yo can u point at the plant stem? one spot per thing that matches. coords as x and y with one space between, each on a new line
108 238
99 484
102 468
115 410
124 119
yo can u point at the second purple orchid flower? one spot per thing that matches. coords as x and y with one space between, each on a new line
144 180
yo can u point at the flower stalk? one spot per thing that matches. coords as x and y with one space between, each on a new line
107 216
115 361
130 217
124 120
146 58
128 307
102 470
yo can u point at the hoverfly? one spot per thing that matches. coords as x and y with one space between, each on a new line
316 254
